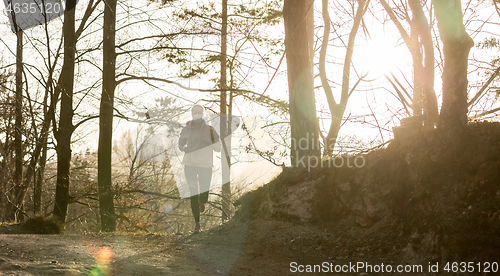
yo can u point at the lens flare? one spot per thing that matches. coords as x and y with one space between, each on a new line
104 258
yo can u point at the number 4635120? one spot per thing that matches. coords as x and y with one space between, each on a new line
35 8
485 267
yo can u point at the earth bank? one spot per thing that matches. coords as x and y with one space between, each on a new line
417 202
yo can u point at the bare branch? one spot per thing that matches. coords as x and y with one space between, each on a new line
481 91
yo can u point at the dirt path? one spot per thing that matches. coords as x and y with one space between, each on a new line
236 248
128 254
242 248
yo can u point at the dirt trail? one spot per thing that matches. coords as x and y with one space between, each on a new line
255 247
24 254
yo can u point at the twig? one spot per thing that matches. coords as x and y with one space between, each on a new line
479 94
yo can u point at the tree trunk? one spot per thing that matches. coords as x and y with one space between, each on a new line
106 204
303 120
422 51
456 46
418 89
38 185
310 26
63 134
40 173
226 152
13 208
423 72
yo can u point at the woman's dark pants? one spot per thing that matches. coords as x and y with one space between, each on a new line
198 180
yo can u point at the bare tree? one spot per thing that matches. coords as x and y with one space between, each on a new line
303 120
421 47
456 46
106 204
226 154
18 173
65 130
337 109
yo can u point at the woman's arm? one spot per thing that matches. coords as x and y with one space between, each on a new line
215 140
183 141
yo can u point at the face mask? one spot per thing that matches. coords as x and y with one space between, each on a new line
197 116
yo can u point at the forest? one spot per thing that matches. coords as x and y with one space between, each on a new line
363 129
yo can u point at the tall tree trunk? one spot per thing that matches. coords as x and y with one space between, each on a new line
63 134
456 46
106 204
303 120
226 152
423 66
18 138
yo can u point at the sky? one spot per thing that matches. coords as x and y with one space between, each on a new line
384 52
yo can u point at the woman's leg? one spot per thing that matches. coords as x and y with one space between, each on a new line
192 181
205 175
195 208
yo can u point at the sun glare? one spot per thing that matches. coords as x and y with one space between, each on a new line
377 57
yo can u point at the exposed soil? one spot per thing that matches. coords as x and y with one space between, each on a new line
420 202
252 247
80 254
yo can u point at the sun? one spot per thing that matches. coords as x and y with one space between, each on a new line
377 57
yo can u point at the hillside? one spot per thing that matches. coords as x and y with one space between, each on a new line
420 203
